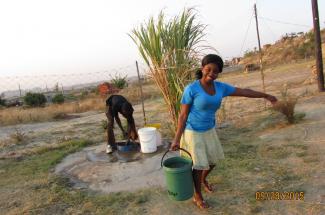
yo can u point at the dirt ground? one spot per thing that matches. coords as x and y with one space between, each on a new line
263 153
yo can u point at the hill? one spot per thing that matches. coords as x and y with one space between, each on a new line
289 48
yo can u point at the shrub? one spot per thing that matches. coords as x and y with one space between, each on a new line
18 136
84 94
58 98
35 99
60 115
306 49
2 102
249 53
71 97
118 81
104 124
94 90
286 106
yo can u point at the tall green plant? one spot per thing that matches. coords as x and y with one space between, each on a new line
119 81
170 49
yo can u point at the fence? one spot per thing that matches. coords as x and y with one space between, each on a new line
13 88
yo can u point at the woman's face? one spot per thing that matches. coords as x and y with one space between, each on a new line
210 72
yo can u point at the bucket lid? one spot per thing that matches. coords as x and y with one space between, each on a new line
147 130
155 125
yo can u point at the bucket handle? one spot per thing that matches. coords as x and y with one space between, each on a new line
178 148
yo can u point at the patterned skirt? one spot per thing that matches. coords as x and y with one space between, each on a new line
204 147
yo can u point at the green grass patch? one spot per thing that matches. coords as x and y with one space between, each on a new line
274 152
311 159
301 154
251 165
28 186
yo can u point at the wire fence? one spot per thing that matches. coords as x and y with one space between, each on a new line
16 87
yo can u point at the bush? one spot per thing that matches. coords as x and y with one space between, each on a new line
58 98
2 102
249 53
71 97
119 82
305 50
94 90
84 94
35 99
18 136
286 106
104 124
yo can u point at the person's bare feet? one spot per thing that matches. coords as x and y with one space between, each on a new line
200 203
207 187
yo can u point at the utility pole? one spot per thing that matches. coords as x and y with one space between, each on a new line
259 50
318 47
19 90
140 85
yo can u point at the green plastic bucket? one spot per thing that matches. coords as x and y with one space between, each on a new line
178 175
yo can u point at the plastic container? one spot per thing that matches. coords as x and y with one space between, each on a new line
148 139
159 140
178 175
127 147
157 126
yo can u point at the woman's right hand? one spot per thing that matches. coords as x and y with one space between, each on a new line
174 146
185 109
271 98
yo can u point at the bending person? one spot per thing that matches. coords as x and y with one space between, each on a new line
118 104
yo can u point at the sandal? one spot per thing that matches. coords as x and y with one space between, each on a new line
201 204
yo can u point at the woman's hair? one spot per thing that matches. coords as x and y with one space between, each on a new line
210 58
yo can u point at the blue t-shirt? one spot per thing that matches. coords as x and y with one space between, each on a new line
201 116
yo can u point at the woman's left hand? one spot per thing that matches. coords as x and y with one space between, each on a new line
272 99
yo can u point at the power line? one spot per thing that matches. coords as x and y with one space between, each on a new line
268 27
282 22
242 46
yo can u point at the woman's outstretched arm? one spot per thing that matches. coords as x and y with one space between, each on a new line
254 94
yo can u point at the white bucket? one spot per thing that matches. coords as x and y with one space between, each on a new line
148 139
159 140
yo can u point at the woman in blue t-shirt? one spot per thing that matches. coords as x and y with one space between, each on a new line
196 123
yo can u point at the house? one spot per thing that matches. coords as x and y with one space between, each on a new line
251 67
106 88
236 60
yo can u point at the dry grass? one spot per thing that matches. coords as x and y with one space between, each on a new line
18 115
133 93
287 105
16 138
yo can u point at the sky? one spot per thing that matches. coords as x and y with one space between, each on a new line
40 37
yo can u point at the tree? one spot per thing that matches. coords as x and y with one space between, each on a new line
35 99
58 98
170 49
2 102
56 87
